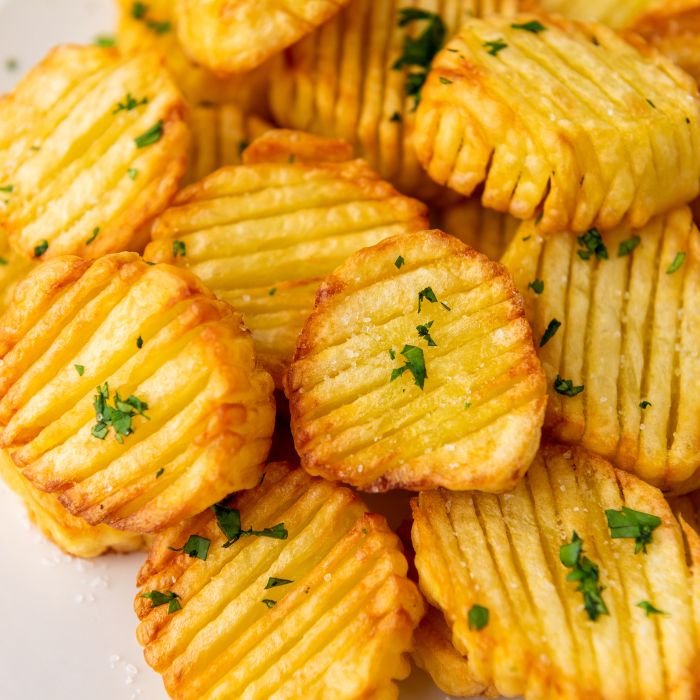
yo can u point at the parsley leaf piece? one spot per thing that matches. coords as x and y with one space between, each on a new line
533 26
160 472
139 10
591 243
159 27
415 364
626 247
428 294
80 369
495 46
273 582
272 292
587 574
7 188
633 524
676 264
40 249
139 342
196 547
478 617
650 103
424 332
392 353
566 387
395 117
119 416
399 262
445 81
242 145
132 173
130 102
269 602
4 261
11 64
551 329
467 404
157 599
644 404
179 248
153 135
105 41
93 236
229 521
649 609
537 286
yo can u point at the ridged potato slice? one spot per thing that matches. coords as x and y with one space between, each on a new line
264 234
416 369
92 147
13 267
71 534
627 344
342 80
560 118
130 391
322 610
499 568
234 36
614 13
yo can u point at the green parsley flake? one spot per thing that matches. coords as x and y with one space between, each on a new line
467 404
272 292
478 617
3 261
11 64
445 81
229 521
392 353
80 369
139 10
592 244
292 158
196 547
104 41
130 102
160 472
93 236
537 286
587 574
649 609
645 404
395 117
626 247
40 249
153 135
650 103
139 342
676 264
495 46
533 26
273 582
157 599
566 387
399 262
428 294
415 364
633 524
119 416
179 248
552 328
269 602
7 188
424 333
132 173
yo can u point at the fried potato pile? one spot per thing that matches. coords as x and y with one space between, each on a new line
577 584
130 391
262 235
92 146
416 370
617 316
312 603
560 118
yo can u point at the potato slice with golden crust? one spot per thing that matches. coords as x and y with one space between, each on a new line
611 12
13 267
263 235
234 36
71 534
560 117
499 569
320 607
416 369
92 146
623 363
181 414
347 79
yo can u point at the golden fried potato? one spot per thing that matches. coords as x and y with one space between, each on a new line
614 13
130 391
13 267
220 134
576 585
92 146
560 118
623 361
416 369
290 590
263 235
73 535
234 36
358 77
485 230
151 26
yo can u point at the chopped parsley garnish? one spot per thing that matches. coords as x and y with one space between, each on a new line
242 145
676 264
533 26
650 103
551 329
160 472
415 364
130 102
229 521
93 236
566 387
633 524
445 81
139 10
153 135
157 599
536 285
159 27
40 249
592 244
649 609
495 46
587 574
272 292
399 262
139 342
645 404
3 261
292 158
467 404
11 64
273 582
424 333
478 617
269 602
395 117
428 294
626 247
7 188
196 547
104 41
392 353
80 369
119 416
179 248
132 173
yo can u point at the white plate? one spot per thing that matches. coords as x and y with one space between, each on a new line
67 625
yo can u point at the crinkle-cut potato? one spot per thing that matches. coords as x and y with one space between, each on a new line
220 135
486 230
13 267
71 534
628 343
502 553
130 391
154 29
326 612
234 36
615 13
263 235
416 369
560 118
340 81
92 146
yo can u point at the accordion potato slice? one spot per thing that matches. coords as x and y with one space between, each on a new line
234 36
321 609
622 366
92 146
130 391
500 570
416 369
263 235
71 534
611 12
560 118
347 80
13 267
